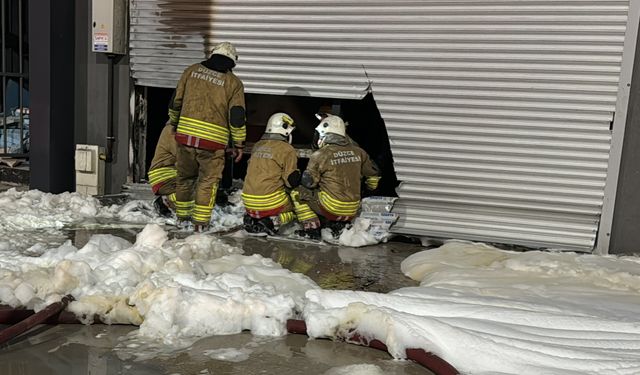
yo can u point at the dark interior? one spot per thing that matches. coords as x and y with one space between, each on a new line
365 126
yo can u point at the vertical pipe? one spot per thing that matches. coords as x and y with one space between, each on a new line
21 71
110 117
4 76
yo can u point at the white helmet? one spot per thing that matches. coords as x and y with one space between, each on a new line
225 49
280 123
331 124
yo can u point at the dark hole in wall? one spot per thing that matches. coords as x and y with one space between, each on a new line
366 127
157 115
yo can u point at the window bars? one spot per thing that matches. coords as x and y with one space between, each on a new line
14 104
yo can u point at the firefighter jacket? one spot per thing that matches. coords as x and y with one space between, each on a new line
163 167
273 166
337 169
203 108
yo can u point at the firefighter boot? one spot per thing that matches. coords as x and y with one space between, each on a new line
257 227
161 208
336 227
311 229
183 224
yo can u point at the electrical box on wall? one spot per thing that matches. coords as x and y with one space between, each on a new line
89 170
109 26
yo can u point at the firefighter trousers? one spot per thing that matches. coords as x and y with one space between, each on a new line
308 206
167 188
305 203
199 172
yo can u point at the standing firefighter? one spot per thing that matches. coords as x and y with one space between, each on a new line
331 183
162 174
272 170
207 108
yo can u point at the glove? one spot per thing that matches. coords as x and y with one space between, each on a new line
313 223
237 152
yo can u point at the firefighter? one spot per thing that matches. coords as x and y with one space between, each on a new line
271 173
207 108
162 174
330 186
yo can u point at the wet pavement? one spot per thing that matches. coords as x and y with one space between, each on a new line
101 349
371 268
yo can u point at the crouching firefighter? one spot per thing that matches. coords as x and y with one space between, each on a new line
330 186
272 172
208 106
163 173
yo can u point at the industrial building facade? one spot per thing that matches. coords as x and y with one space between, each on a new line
506 120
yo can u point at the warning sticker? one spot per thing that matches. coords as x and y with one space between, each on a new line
100 41
101 38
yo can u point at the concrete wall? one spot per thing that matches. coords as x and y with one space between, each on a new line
92 97
625 231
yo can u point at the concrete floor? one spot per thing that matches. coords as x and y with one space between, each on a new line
99 349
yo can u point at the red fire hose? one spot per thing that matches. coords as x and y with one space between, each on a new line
24 320
33 320
429 360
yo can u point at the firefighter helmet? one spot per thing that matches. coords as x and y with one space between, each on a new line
280 123
225 49
329 125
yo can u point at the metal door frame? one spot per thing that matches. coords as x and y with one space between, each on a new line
618 130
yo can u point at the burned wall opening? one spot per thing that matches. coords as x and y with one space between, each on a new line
365 126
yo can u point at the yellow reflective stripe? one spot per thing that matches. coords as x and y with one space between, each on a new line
265 202
162 174
172 197
202 213
214 129
303 211
302 216
183 209
202 133
185 203
202 129
372 182
337 207
286 217
337 202
239 134
200 122
278 192
214 191
204 125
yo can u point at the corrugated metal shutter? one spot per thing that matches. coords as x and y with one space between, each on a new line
498 111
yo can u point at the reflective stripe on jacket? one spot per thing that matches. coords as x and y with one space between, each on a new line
271 164
201 108
338 171
265 205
